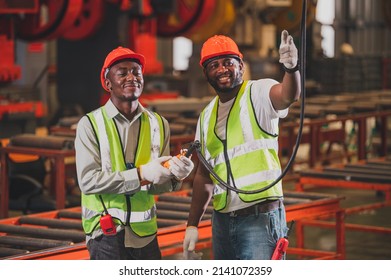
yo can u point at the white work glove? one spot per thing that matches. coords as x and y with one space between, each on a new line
288 51
154 171
191 238
181 167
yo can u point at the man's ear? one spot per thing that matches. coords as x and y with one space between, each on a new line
241 66
108 84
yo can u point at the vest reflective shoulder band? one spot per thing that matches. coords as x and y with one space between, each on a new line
143 210
249 159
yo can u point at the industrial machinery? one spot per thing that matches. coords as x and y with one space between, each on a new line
43 20
36 22
11 110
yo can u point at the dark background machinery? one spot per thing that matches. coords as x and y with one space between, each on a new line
61 45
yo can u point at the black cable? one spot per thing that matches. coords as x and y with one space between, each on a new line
104 206
302 63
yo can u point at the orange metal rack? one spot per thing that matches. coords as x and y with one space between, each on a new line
58 234
369 175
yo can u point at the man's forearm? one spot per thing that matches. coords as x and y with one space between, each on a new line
291 87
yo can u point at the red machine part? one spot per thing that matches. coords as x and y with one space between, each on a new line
8 70
15 7
189 13
143 34
51 21
88 21
124 5
36 107
142 39
219 20
208 11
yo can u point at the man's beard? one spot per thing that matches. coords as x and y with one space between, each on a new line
217 88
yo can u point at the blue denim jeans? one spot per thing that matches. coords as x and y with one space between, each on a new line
250 237
111 247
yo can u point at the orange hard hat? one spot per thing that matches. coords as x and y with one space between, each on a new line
118 54
218 45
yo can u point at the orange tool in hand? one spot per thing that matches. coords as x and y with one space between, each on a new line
184 152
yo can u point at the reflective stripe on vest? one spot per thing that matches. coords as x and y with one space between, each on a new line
143 209
249 159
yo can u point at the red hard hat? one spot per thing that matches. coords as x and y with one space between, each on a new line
115 55
218 45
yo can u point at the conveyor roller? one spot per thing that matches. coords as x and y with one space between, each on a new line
35 243
46 142
51 223
60 234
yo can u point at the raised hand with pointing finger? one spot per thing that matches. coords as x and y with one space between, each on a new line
288 52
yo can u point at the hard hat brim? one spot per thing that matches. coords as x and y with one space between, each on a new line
207 60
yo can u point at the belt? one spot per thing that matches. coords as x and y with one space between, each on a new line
262 207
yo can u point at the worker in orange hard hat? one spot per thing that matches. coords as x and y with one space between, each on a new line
117 55
120 151
238 133
219 46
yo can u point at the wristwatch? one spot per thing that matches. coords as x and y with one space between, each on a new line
291 70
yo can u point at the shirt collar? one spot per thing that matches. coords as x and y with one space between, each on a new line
112 111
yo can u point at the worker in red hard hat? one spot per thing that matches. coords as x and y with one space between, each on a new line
238 133
120 149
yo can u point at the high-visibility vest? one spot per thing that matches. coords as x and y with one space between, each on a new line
248 158
137 210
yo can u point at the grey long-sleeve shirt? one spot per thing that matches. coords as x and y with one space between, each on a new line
91 178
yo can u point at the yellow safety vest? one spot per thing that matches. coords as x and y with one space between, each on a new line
248 158
138 210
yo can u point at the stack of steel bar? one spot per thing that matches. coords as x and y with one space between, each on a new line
59 235
372 175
